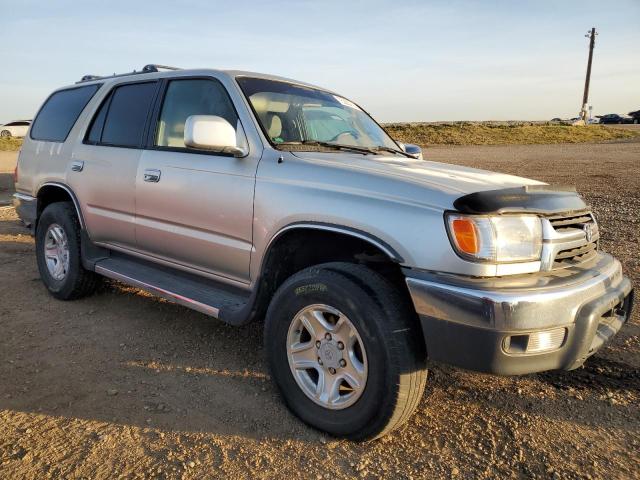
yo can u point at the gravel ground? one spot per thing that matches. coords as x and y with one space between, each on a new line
125 385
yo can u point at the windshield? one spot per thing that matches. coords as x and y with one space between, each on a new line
295 115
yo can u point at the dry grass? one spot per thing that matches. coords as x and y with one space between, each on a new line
480 133
494 133
10 144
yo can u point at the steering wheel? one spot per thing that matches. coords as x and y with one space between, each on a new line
350 133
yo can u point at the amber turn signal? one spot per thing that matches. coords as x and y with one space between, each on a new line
464 231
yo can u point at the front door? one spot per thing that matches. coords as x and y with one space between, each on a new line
195 208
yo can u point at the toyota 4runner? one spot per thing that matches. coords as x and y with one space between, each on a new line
247 196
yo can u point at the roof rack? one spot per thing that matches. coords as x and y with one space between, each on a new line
149 68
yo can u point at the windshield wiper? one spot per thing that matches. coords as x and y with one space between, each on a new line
335 146
382 148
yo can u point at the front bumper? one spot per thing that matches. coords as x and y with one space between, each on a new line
472 322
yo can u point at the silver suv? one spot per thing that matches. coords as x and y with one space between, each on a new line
249 197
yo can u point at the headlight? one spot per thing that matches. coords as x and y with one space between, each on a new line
498 239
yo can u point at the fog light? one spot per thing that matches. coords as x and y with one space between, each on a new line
536 342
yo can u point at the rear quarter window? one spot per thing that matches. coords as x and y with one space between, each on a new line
60 112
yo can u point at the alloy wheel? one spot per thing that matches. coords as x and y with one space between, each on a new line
327 356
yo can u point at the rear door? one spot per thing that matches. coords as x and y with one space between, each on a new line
105 165
194 208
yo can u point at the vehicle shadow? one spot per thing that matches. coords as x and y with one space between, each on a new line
122 356
6 188
602 393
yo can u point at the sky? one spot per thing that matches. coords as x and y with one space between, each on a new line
402 60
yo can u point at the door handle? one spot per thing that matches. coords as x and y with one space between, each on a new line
152 176
77 166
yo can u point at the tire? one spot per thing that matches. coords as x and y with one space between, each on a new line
391 339
5 133
73 281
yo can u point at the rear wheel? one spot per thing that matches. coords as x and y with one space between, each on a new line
346 350
58 253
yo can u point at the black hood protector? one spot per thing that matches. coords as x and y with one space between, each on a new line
545 199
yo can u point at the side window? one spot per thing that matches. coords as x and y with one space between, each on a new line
95 133
60 112
188 97
126 115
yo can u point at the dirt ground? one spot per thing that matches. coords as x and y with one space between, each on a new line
125 385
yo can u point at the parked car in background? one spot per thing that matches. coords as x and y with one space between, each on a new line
15 129
614 118
635 116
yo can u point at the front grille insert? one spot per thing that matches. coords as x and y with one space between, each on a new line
573 256
575 221
575 239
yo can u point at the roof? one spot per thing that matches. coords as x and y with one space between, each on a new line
161 71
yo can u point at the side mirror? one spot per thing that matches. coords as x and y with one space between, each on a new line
413 150
209 132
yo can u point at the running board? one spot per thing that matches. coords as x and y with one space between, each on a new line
198 293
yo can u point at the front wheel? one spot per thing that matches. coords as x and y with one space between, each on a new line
345 350
5 133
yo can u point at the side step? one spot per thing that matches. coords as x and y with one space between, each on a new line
198 293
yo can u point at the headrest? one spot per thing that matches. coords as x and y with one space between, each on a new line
274 125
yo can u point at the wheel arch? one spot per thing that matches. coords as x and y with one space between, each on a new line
303 244
346 232
51 192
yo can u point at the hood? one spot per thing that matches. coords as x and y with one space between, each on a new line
452 180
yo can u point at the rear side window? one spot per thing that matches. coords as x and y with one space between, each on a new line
125 116
60 112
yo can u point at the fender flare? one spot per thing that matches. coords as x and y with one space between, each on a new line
249 312
335 228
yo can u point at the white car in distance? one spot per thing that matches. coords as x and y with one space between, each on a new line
18 128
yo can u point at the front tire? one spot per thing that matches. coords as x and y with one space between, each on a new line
58 253
345 326
5 133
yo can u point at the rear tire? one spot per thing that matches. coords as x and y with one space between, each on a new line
58 253
392 343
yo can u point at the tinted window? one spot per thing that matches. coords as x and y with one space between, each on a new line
191 97
60 112
95 134
127 114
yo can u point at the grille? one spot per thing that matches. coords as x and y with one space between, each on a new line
581 251
573 256
562 223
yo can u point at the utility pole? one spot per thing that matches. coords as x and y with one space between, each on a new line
585 97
